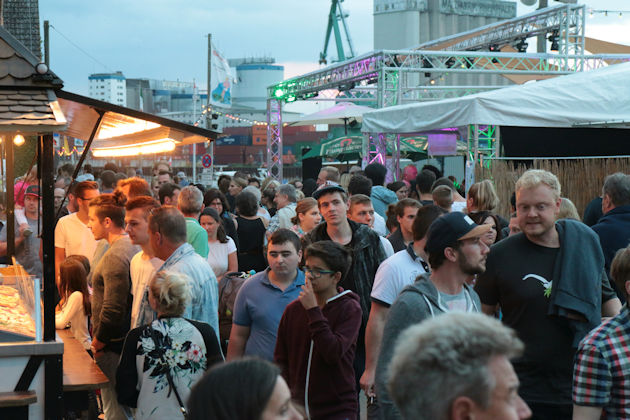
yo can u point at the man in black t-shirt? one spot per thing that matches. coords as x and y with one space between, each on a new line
519 277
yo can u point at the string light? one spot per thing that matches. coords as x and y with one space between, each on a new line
592 12
232 117
63 152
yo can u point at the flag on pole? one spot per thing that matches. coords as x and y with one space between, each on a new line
221 80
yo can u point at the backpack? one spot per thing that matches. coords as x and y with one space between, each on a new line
229 286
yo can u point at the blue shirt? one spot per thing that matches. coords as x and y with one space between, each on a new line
259 305
204 305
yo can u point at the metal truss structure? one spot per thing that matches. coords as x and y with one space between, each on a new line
393 77
482 142
567 20
274 138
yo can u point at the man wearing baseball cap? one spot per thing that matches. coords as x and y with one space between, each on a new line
27 244
455 252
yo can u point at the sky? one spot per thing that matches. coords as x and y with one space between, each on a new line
163 39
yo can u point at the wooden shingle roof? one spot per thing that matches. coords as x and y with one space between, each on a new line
27 99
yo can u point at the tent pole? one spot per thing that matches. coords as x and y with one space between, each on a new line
476 143
397 159
497 143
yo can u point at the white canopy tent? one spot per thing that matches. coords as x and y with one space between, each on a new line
598 97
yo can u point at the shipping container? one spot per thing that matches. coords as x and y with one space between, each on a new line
234 140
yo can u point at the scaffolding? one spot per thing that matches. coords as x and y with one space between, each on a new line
395 77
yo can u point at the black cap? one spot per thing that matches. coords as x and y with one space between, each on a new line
327 188
445 231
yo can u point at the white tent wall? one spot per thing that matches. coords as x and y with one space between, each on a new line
584 98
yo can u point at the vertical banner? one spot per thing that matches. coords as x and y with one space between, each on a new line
221 80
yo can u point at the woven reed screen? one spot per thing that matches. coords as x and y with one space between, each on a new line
581 179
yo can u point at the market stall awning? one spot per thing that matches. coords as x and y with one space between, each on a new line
123 131
565 101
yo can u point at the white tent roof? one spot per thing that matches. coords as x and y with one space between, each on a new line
596 96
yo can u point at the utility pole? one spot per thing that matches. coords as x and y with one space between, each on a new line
194 145
208 112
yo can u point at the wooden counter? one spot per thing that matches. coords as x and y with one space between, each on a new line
80 373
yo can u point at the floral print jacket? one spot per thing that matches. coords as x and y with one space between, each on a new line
183 347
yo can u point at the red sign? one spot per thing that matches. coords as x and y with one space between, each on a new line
206 160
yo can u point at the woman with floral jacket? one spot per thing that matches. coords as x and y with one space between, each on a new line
161 361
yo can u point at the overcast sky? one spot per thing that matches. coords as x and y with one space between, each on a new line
163 39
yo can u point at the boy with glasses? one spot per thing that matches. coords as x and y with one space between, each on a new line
317 337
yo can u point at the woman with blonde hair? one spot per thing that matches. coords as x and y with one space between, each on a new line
162 361
567 210
306 217
482 197
236 186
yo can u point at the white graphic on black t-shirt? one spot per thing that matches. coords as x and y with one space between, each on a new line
546 283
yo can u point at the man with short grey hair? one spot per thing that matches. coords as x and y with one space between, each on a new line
613 228
328 173
457 366
167 236
286 202
190 203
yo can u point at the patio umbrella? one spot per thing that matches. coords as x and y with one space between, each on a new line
342 113
414 148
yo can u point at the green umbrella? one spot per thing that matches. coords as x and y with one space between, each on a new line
414 148
341 148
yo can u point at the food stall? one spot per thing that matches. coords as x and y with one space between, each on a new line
37 364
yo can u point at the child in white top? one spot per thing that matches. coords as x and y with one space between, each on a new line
74 307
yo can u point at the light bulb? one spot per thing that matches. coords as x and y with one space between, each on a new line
18 140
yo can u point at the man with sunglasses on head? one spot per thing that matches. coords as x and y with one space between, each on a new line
317 337
72 235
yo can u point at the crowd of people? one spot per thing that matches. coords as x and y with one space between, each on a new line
415 293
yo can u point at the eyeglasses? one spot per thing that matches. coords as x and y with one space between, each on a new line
317 273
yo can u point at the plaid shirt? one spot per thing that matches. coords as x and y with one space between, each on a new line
601 376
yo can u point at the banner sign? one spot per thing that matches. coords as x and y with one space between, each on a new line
442 144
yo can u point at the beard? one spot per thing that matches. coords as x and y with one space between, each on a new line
471 269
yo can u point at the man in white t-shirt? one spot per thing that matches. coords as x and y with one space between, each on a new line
144 264
392 276
72 236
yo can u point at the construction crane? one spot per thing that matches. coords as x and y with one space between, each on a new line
337 14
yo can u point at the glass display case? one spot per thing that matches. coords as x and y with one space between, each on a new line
20 305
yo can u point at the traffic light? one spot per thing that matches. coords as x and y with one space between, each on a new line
214 124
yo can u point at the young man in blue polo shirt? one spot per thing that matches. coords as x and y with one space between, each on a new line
261 300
